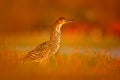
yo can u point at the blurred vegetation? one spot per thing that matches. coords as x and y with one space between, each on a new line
75 65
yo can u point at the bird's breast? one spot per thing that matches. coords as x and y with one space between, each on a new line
55 48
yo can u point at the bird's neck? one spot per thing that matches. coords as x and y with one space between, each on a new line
56 34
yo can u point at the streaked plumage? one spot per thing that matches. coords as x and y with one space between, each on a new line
48 48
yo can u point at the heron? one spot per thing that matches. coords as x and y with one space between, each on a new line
50 47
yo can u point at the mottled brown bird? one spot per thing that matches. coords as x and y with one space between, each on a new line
48 48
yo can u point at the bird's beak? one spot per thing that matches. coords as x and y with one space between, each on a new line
69 20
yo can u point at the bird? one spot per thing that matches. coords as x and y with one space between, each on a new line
49 48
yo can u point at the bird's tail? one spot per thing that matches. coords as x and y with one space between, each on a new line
22 59
25 60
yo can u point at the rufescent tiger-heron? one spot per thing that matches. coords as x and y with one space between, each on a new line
50 47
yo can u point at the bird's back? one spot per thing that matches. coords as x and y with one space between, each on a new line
39 53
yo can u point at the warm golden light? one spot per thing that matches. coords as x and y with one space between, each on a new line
90 46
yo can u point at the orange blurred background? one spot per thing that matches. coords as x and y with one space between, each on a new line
36 15
27 23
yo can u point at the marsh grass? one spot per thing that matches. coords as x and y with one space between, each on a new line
75 65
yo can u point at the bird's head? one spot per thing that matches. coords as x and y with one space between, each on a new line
61 21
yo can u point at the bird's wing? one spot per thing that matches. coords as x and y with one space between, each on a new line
39 52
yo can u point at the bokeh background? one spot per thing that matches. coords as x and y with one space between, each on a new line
24 24
29 15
